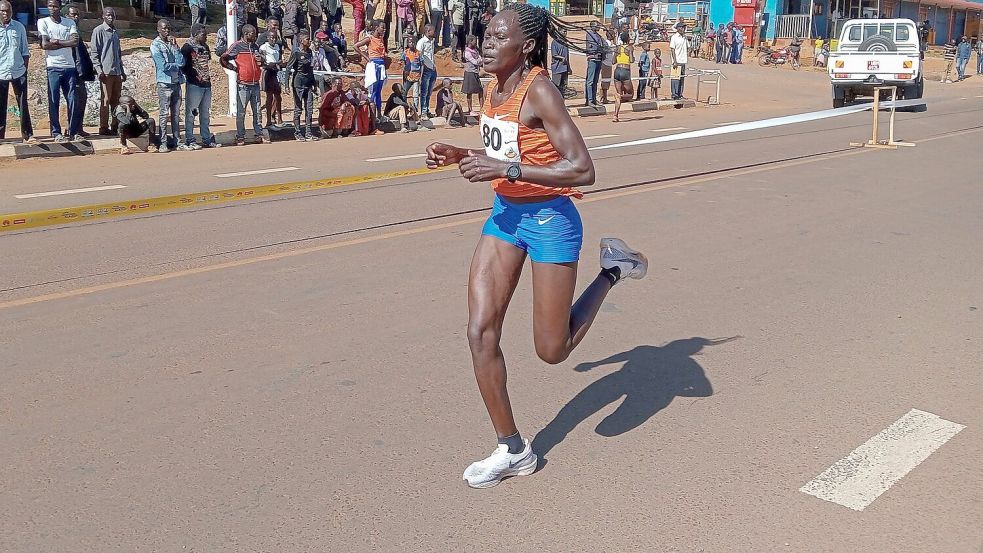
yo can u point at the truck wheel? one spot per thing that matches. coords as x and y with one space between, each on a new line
878 43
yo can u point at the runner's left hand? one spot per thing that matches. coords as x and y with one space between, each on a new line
481 168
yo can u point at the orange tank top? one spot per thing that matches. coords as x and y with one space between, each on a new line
507 139
377 48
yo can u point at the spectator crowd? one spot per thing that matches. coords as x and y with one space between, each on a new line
302 49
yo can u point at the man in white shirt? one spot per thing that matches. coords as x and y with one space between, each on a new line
679 55
429 74
59 37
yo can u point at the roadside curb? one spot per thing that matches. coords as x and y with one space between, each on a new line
98 146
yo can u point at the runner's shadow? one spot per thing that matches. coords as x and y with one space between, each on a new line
649 380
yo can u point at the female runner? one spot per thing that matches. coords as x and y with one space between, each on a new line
623 90
534 157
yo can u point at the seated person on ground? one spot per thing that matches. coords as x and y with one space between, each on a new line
399 109
336 116
129 115
447 107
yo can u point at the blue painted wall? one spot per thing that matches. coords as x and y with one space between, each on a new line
721 11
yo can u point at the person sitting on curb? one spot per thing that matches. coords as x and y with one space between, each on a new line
129 115
399 109
447 106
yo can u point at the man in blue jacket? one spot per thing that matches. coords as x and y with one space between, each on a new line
963 51
168 61
595 58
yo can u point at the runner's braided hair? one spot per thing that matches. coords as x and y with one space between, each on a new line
538 24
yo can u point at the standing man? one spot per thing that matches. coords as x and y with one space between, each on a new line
247 60
560 63
198 11
14 55
718 43
198 92
58 37
979 55
108 64
679 55
963 52
429 75
86 74
168 62
595 59
315 12
438 11
728 42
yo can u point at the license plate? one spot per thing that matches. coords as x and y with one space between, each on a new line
873 65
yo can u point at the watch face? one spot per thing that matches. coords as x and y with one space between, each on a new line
513 172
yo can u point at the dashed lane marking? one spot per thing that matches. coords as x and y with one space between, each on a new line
600 136
256 172
70 191
668 129
394 158
856 480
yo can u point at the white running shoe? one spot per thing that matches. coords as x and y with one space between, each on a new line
501 464
615 253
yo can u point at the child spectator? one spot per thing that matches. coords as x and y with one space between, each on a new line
655 76
472 85
412 69
365 114
644 68
447 107
823 55
272 57
129 115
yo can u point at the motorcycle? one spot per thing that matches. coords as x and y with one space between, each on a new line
789 55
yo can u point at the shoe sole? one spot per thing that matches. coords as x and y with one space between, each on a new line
514 471
620 244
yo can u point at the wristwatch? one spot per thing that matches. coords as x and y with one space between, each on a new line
513 173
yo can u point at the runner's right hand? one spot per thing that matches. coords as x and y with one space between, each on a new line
442 155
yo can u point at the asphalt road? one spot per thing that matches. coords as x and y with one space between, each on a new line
266 376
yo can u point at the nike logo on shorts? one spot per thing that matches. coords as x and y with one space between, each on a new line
546 220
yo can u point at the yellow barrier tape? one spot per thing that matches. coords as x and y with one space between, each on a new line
34 219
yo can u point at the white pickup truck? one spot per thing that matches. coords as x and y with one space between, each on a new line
876 52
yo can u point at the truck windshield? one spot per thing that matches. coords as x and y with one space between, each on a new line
892 31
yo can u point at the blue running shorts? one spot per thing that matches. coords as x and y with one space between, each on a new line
550 232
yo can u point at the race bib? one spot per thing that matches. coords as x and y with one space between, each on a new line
501 139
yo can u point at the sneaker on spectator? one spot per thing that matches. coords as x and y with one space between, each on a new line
163 149
123 150
78 138
259 139
184 148
240 141
299 137
195 146
212 144
31 141
152 149
312 138
59 139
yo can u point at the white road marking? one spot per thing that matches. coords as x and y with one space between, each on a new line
256 172
856 480
761 124
600 136
668 129
980 96
392 158
72 191
728 123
